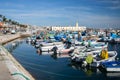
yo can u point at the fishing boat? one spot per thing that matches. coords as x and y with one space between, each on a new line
85 42
93 44
45 53
117 40
65 51
28 39
99 45
48 48
58 55
37 44
60 49
111 66
50 44
97 60
80 54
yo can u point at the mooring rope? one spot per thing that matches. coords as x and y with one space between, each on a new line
21 75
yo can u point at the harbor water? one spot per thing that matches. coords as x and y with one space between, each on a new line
47 67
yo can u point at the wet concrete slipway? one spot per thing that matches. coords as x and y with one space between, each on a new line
47 67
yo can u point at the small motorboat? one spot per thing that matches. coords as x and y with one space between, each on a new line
111 66
28 39
80 54
50 44
99 45
44 53
64 50
97 61
117 40
48 48
85 43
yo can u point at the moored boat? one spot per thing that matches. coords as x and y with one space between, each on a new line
111 66
81 54
48 48
97 61
50 44
99 45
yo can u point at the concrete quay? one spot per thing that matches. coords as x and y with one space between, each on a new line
10 68
10 37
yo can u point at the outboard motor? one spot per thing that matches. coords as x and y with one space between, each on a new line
39 50
54 49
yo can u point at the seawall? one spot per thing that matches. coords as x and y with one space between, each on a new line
9 37
17 71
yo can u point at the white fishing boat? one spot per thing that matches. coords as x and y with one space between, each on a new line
79 55
28 39
50 44
45 53
37 44
93 44
85 42
99 45
97 61
117 40
48 48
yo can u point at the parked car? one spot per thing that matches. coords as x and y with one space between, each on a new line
13 31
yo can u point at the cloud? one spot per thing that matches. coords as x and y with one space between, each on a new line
112 4
110 1
83 8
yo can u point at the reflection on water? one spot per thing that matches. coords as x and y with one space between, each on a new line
113 74
49 67
89 71
13 45
54 56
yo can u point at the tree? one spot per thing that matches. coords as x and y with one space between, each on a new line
1 17
4 19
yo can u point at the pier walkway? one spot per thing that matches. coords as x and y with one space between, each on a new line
4 72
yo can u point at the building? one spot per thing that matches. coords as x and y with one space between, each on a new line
1 25
69 28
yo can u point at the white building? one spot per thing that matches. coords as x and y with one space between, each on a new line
69 28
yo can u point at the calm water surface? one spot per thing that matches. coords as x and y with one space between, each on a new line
45 67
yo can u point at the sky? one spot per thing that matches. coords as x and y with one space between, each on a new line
89 13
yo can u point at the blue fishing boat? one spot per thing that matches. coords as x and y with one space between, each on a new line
111 66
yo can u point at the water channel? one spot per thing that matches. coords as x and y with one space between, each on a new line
47 67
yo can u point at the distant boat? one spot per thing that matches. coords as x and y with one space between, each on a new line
14 44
